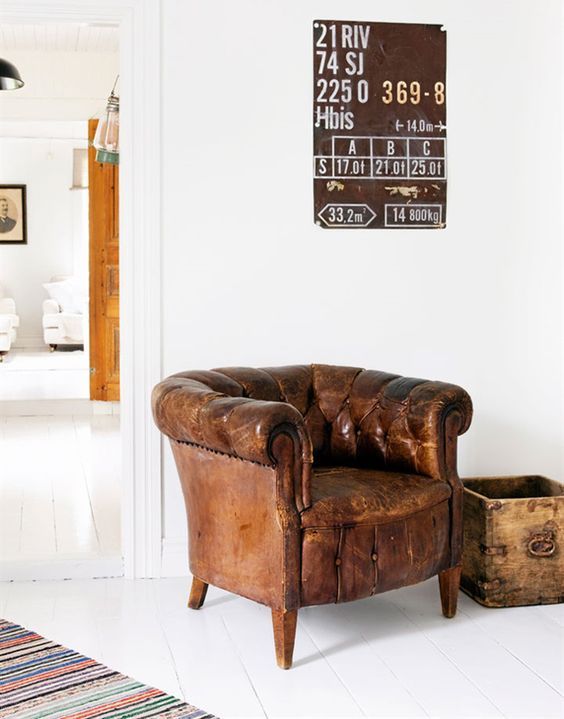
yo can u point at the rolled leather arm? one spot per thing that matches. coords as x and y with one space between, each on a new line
409 422
187 410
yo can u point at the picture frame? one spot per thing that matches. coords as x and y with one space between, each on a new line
13 215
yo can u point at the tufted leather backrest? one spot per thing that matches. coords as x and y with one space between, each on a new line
354 416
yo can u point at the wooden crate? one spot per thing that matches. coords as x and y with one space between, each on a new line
513 551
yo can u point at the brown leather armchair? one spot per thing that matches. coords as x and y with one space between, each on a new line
315 484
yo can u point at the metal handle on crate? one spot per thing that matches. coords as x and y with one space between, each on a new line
541 544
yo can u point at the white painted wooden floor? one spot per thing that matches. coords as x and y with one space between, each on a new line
393 655
40 374
59 488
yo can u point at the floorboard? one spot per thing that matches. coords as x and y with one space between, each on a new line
27 374
512 688
209 658
283 693
60 493
434 681
536 645
377 689
390 656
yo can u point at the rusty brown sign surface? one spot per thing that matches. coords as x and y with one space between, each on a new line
379 116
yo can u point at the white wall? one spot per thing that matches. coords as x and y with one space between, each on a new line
40 155
249 279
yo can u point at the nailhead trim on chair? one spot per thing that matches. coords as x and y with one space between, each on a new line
223 454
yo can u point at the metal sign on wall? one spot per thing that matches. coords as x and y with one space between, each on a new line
379 115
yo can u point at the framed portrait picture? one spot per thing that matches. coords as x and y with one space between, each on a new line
13 215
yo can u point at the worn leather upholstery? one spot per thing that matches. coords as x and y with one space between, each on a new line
314 484
344 496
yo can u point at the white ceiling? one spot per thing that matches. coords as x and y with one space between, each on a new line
62 37
68 70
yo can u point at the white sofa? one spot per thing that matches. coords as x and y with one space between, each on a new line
9 322
65 313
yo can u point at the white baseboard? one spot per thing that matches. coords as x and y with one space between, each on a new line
45 407
64 568
53 407
174 560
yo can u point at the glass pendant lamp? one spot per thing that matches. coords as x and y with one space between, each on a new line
106 139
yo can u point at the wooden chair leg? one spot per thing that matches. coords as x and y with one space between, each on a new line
449 582
197 593
284 625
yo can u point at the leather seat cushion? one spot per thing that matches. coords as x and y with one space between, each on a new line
345 496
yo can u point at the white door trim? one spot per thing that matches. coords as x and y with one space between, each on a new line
140 254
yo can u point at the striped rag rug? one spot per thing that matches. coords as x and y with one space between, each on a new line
43 680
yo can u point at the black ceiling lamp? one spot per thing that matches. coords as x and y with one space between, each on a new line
10 78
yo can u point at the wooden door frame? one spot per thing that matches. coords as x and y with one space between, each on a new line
140 255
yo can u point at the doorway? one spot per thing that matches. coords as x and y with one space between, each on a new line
140 258
60 512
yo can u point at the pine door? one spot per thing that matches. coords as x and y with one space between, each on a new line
104 275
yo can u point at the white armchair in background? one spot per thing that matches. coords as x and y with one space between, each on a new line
9 322
65 313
